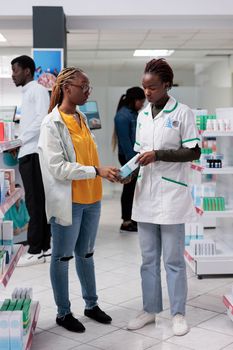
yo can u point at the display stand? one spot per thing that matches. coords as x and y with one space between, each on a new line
9 268
222 262
34 318
18 250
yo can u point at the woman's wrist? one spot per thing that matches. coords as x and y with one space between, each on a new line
96 171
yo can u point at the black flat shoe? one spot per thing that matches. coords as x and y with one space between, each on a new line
128 228
98 315
70 323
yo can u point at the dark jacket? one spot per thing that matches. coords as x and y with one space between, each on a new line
125 126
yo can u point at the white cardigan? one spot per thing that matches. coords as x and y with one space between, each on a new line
59 167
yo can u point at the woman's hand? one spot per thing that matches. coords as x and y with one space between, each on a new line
108 172
146 158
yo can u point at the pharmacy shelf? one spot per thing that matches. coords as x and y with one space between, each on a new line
219 264
216 133
34 318
215 214
228 302
10 200
9 268
225 170
8 145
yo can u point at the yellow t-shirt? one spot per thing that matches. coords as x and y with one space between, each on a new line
90 190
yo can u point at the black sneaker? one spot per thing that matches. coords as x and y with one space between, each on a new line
98 315
70 323
128 228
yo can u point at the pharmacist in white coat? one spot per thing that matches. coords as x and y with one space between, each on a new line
167 139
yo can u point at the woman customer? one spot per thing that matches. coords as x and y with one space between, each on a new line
167 139
72 180
124 136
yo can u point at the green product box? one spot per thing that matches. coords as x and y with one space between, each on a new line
5 305
222 201
26 312
217 203
12 305
19 304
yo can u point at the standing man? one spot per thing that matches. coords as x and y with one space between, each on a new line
35 104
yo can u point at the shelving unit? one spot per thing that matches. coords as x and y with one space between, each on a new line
215 171
9 268
8 145
18 250
34 318
222 262
10 200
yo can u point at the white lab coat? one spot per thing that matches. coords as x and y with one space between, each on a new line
162 195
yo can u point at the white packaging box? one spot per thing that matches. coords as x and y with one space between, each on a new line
29 293
16 330
204 247
1 238
2 187
8 131
7 232
129 167
5 330
14 294
9 174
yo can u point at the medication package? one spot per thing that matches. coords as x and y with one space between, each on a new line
129 167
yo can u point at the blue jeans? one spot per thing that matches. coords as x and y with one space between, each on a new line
78 238
171 240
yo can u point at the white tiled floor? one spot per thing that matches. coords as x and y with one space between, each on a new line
117 260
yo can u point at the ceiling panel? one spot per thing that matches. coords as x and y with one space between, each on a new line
113 43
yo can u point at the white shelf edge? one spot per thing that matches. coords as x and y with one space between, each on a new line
209 265
10 200
7 145
9 268
203 170
215 213
216 133
34 318
218 214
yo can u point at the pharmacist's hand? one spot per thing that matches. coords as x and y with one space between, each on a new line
146 158
108 172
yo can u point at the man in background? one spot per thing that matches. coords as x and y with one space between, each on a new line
35 104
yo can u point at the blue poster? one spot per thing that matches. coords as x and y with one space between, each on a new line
49 63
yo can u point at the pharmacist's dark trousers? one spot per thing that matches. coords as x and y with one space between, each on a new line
38 236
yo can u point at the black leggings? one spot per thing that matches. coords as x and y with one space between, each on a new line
127 194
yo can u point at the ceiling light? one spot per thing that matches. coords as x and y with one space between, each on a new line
2 38
153 53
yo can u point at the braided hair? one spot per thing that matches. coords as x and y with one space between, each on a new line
64 77
161 68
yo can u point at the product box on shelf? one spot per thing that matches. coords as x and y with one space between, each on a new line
205 247
7 236
5 330
3 259
193 230
16 330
